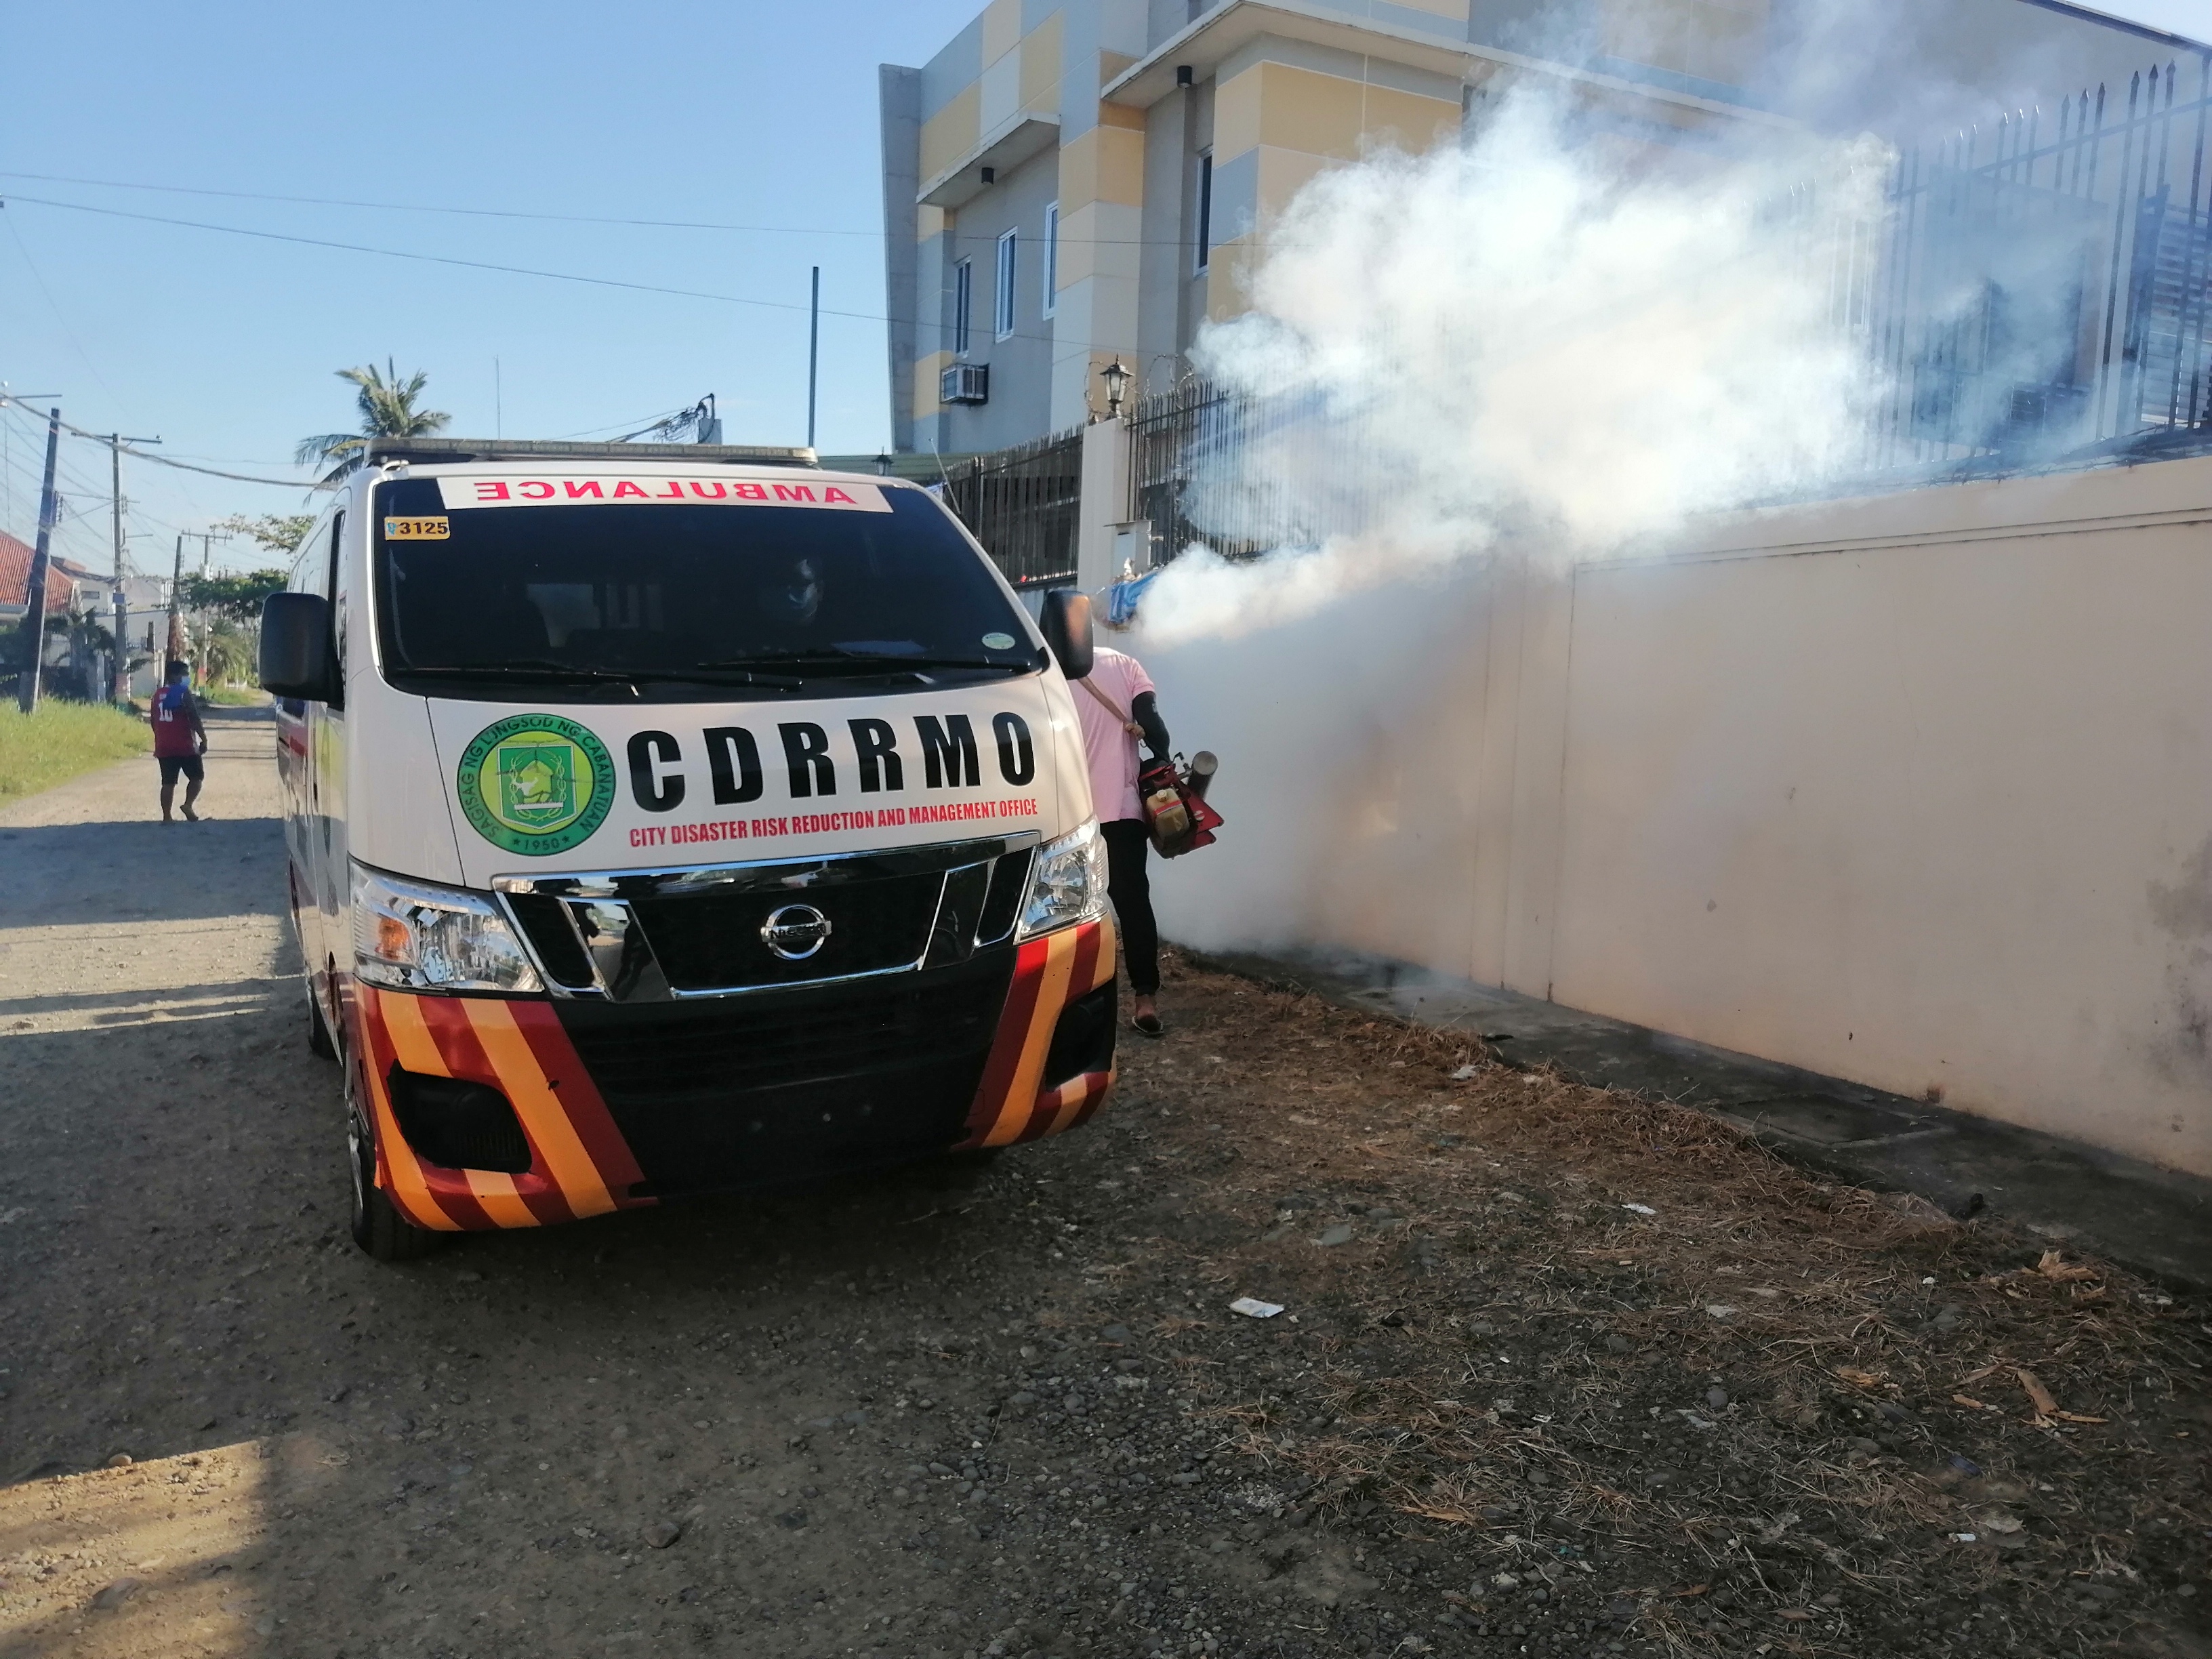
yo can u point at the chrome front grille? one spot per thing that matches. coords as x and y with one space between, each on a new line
648 935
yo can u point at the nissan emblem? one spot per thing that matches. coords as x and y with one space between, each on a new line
796 932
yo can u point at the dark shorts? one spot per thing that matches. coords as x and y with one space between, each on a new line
190 765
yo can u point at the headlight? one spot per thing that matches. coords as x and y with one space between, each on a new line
409 936
1068 883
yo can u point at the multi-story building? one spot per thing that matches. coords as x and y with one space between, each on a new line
1072 182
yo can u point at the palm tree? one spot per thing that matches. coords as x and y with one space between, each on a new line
387 410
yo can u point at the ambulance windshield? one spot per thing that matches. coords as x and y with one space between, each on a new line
596 595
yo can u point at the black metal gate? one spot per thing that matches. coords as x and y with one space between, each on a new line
1025 504
2046 285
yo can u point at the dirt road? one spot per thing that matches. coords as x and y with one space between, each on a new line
1504 1413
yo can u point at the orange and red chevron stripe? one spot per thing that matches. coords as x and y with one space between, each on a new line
1011 1104
581 1166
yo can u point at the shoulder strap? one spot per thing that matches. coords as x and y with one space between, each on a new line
1112 707
1104 701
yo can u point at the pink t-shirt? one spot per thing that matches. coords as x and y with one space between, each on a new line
1111 751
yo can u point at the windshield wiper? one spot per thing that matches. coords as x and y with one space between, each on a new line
543 668
838 656
521 668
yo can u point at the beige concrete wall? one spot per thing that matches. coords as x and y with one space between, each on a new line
1914 790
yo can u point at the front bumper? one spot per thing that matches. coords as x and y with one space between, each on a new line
620 1107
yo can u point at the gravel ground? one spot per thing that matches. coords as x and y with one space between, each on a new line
1504 1411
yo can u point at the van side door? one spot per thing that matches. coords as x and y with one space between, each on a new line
326 797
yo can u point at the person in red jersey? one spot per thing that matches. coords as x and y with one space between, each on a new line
179 740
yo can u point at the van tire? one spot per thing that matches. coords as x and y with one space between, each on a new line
382 1233
320 1041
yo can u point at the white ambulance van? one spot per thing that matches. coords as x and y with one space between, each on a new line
670 819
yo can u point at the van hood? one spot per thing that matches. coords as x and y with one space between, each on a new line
570 788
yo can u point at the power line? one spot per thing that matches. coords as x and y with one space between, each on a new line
475 213
182 466
483 264
513 213
437 258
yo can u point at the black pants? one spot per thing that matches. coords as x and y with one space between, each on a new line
1127 845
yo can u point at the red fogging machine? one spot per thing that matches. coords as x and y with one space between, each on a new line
1176 810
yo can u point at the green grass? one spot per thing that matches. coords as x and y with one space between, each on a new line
61 741
234 697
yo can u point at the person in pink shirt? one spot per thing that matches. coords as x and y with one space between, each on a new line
1118 707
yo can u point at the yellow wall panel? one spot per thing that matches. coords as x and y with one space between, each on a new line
951 132
1283 174
1078 243
1106 164
1301 109
1409 120
1041 67
925 373
928 222
1078 173
1120 164
1237 112
1002 29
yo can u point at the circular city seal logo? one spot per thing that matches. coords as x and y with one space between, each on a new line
536 784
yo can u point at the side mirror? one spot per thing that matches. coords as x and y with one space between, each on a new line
1066 625
296 657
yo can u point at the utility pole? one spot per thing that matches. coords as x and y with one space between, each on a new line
115 441
813 351
122 664
34 613
122 625
175 646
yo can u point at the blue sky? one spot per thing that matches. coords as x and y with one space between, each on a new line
746 114
743 113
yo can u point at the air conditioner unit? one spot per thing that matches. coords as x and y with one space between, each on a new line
965 383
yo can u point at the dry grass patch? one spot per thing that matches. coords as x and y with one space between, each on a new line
1534 1326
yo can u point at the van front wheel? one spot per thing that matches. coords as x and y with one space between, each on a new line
381 1231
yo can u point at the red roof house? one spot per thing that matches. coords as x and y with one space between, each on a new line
62 577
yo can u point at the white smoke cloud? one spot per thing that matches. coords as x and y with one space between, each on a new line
1547 345
1544 334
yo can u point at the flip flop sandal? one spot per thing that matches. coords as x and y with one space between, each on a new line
1147 1025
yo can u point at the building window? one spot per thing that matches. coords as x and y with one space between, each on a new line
963 299
1204 209
1051 258
1002 302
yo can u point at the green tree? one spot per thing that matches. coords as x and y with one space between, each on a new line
280 533
387 410
237 597
228 652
